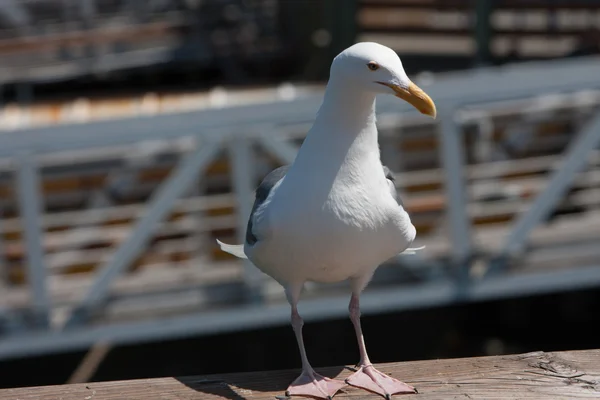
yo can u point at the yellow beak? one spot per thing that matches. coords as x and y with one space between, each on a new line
415 96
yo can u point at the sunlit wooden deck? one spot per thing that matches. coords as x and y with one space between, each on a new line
539 375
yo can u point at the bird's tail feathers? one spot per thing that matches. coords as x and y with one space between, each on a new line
238 249
412 250
234 249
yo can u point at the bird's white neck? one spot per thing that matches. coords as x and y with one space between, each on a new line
340 150
344 127
346 106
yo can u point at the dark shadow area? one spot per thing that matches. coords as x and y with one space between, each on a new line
262 381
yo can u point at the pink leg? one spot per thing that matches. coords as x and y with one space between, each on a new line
309 383
367 377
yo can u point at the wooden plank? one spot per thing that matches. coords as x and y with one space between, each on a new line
466 5
138 33
394 28
538 375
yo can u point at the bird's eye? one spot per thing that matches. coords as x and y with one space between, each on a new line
373 66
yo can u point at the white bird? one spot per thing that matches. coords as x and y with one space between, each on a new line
333 214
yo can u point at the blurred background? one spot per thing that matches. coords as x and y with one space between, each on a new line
133 133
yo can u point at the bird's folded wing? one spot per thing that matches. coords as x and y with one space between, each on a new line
258 225
391 180
258 221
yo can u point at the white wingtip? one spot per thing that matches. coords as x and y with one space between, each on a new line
234 249
412 250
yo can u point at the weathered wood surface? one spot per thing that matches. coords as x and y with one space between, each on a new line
539 375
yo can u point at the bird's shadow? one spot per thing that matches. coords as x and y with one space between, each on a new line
242 385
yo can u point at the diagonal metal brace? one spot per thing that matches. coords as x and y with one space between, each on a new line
562 178
160 204
281 149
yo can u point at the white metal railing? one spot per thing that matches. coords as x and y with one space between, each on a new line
244 128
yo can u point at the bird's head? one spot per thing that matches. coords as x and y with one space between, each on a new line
378 69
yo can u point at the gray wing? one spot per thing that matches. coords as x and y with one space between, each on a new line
262 192
392 183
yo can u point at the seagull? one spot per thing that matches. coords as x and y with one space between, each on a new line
333 214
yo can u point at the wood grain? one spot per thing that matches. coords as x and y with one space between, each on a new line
539 375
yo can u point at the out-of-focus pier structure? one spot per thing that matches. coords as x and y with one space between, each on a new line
111 206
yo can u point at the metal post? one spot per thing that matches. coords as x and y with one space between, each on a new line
29 203
452 156
24 93
483 30
87 10
4 279
3 267
241 158
343 23
160 205
575 159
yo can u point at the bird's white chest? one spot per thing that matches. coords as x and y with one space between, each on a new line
345 234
